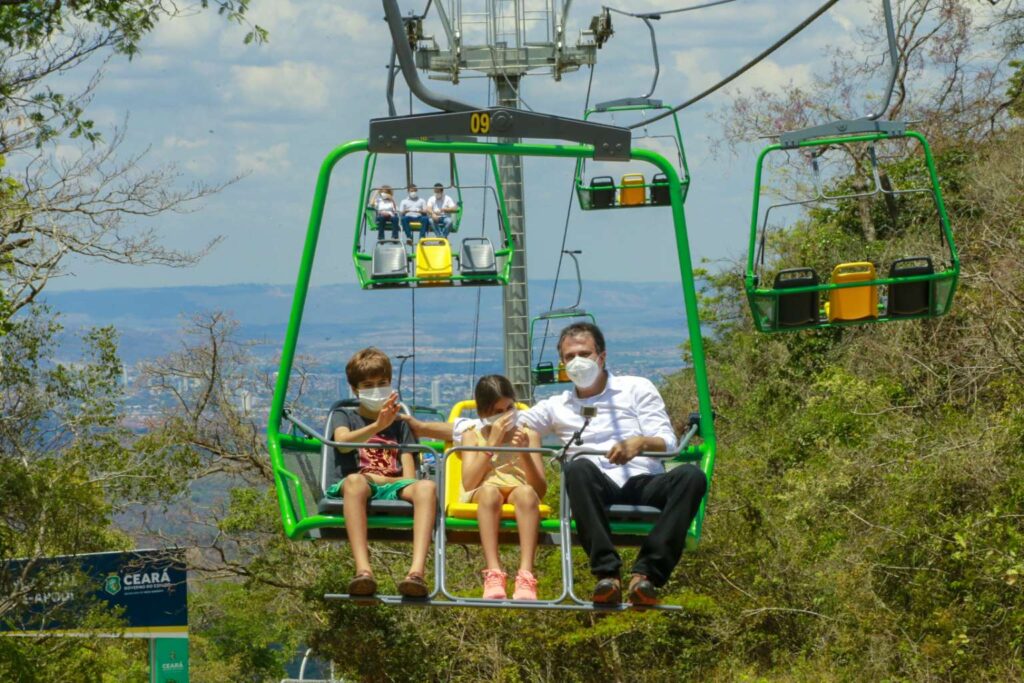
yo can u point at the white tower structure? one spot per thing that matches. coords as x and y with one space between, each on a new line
506 39
435 392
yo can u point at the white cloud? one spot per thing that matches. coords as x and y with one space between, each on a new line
272 160
770 75
175 142
295 86
188 32
695 65
201 166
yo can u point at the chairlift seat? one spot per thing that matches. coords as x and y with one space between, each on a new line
633 192
910 298
544 373
793 310
433 258
389 260
629 513
460 510
397 514
477 257
660 195
853 303
384 508
602 192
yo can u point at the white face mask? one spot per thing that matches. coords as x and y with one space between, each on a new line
583 371
494 418
373 399
413 195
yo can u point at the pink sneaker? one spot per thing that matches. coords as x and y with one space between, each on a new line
494 584
526 586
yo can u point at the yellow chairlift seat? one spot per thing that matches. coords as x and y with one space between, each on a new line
853 303
433 258
453 478
633 192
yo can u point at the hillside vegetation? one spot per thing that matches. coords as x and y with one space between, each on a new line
865 522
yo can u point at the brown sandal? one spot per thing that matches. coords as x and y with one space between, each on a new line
413 586
362 584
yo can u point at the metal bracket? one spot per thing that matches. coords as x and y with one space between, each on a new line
389 135
628 102
793 139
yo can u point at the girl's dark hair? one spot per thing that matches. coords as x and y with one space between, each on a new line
490 389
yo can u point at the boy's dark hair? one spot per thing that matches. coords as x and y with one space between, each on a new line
490 389
369 363
577 329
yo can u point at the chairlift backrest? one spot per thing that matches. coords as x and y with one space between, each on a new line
389 260
331 459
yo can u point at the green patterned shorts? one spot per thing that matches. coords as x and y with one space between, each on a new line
388 491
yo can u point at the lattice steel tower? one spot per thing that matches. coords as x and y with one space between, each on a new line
505 39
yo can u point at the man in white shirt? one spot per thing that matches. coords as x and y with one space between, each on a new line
630 419
440 208
414 209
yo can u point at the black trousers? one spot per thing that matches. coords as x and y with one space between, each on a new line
677 493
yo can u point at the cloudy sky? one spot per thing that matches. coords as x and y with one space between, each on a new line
198 98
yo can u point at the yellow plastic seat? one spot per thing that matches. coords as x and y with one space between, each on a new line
433 258
633 192
853 303
453 478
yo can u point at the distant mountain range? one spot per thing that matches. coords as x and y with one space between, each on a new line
639 319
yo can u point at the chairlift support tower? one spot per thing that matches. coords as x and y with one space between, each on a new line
506 39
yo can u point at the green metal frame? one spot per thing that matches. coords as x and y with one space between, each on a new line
296 519
503 254
545 318
583 191
764 301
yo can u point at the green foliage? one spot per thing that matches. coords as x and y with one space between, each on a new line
245 632
27 24
864 523
1015 89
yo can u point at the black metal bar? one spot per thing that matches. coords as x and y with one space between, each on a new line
393 15
389 135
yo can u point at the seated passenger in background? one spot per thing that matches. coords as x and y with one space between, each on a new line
414 210
382 201
380 473
441 207
491 479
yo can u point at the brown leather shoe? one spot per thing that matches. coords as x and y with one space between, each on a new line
413 586
642 592
608 591
362 584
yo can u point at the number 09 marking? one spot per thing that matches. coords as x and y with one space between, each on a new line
479 123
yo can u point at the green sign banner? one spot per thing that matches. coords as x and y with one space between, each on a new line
168 660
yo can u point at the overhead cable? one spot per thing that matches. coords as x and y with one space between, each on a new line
565 235
657 14
743 69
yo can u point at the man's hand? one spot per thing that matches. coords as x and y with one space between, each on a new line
388 412
626 450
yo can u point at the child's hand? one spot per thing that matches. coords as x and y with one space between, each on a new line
388 412
519 438
501 428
